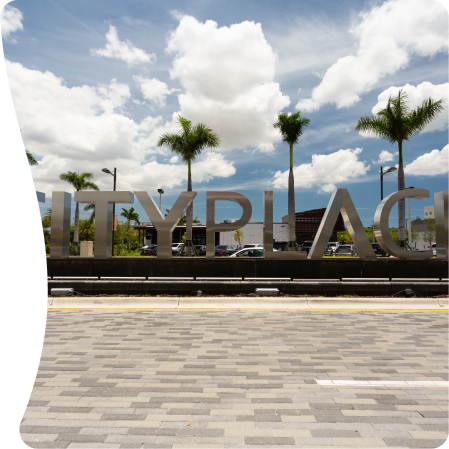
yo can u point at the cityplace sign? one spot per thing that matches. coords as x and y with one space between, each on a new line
340 202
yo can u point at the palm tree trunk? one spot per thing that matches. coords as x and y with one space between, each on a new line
189 213
291 200
76 229
401 203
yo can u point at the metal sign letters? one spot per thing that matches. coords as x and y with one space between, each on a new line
340 202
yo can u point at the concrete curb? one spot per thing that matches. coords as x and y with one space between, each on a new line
304 303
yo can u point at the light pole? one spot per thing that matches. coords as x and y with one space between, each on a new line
409 222
105 170
160 199
382 173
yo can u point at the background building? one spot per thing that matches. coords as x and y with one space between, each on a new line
308 222
429 212
254 234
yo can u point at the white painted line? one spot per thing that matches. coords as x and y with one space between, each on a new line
386 383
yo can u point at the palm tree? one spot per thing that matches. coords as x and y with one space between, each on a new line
291 127
86 228
92 208
396 123
31 159
80 182
130 215
189 142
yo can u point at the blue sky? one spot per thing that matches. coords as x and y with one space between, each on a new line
96 83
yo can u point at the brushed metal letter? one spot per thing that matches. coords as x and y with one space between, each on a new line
341 202
212 227
381 224
103 216
268 233
440 200
40 197
165 227
60 224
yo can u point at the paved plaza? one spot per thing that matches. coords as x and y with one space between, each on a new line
227 379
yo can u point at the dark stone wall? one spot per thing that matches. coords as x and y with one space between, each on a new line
326 268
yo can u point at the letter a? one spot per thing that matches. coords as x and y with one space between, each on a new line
341 202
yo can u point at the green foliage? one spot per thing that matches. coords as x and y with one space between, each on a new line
344 237
126 236
396 122
79 181
291 126
238 237
190 141
130 215
31 159
183 238
86 230
429 233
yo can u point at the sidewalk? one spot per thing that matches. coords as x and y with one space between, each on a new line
265 303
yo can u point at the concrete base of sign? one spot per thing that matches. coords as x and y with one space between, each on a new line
295 288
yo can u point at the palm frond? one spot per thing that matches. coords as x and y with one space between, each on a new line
31 160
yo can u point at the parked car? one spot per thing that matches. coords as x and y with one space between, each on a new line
306 246
225 250
175 247
249 252
144 247
329 251
252 245
433 247
331 248
200 249
150 250
346 250
279 245
378 250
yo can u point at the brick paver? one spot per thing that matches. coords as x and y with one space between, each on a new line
225 379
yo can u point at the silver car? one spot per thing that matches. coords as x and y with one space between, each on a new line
249 252
346 250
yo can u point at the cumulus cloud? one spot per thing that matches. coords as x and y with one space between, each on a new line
416 95
325 171
153 89
125 51
174 159
385 156
82 127
430 164
228 77
383 49
11 20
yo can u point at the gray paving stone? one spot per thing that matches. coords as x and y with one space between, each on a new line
418 443
254 370
281 441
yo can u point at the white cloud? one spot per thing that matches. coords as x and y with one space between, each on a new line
385 156
174 159
325 171
11 20
153 89
82 128
228 77
384 48
430 164
416 95
123 50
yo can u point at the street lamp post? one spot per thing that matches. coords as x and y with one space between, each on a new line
105 170
382 173
160 199
409 222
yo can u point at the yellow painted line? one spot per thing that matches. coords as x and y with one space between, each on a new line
273 310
